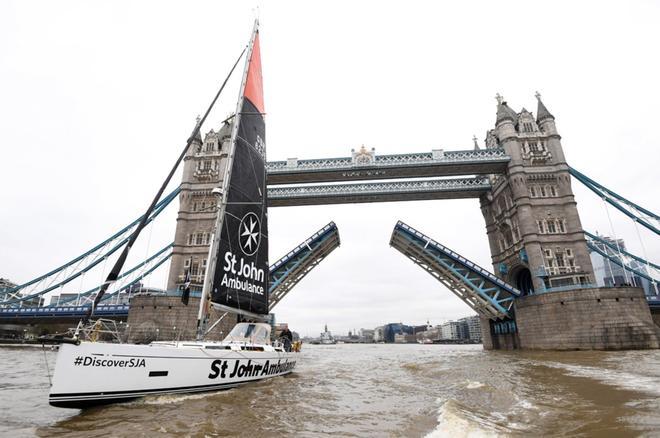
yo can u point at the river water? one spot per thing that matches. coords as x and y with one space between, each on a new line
371 390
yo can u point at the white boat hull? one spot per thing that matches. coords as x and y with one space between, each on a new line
98 373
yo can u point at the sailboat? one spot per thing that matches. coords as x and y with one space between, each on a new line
92 373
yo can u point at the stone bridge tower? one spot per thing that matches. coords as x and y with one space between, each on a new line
534 230
202 171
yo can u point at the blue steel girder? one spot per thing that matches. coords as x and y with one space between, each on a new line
485 293
29 314
294 266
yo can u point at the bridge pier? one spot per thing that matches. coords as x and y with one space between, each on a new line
616 318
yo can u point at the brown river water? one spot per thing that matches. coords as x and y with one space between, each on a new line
371 390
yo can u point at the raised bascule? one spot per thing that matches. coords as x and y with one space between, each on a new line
540 294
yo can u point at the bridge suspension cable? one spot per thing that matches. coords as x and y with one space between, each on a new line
637 213
148 266
81 264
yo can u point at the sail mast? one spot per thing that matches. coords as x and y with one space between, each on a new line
204 303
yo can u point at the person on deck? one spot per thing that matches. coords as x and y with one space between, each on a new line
287 338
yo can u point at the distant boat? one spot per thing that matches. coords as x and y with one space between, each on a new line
326 337
91 373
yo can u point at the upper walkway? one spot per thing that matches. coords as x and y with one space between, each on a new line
366 165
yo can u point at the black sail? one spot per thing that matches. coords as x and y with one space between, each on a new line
240 279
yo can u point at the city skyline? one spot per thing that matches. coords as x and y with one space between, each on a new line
95 110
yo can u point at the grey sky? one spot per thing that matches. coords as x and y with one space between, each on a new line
97 98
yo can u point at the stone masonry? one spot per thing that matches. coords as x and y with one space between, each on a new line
615 318
152 318
203 168
534 230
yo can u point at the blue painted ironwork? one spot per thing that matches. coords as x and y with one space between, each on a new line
505 327
118 310
294 266
641 215
484 292
90 293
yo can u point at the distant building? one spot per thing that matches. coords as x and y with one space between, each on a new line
451 331
367 335
471 328
400 338
392 329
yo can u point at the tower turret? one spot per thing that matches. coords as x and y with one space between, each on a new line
544 118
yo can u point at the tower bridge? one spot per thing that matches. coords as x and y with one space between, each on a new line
541 292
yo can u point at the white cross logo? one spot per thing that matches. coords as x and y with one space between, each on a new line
249 234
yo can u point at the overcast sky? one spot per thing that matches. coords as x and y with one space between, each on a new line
98 98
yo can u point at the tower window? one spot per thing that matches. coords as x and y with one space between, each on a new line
551 227
553 191
194 268
540 227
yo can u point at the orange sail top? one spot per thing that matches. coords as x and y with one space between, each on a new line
254 89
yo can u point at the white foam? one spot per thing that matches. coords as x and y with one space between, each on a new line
174 398
452 424
474 385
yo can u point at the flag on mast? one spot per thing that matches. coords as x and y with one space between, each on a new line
186 286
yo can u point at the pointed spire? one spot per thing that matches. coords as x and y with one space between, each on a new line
503 110
542 112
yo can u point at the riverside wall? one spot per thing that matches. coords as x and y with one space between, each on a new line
165 318
615 318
